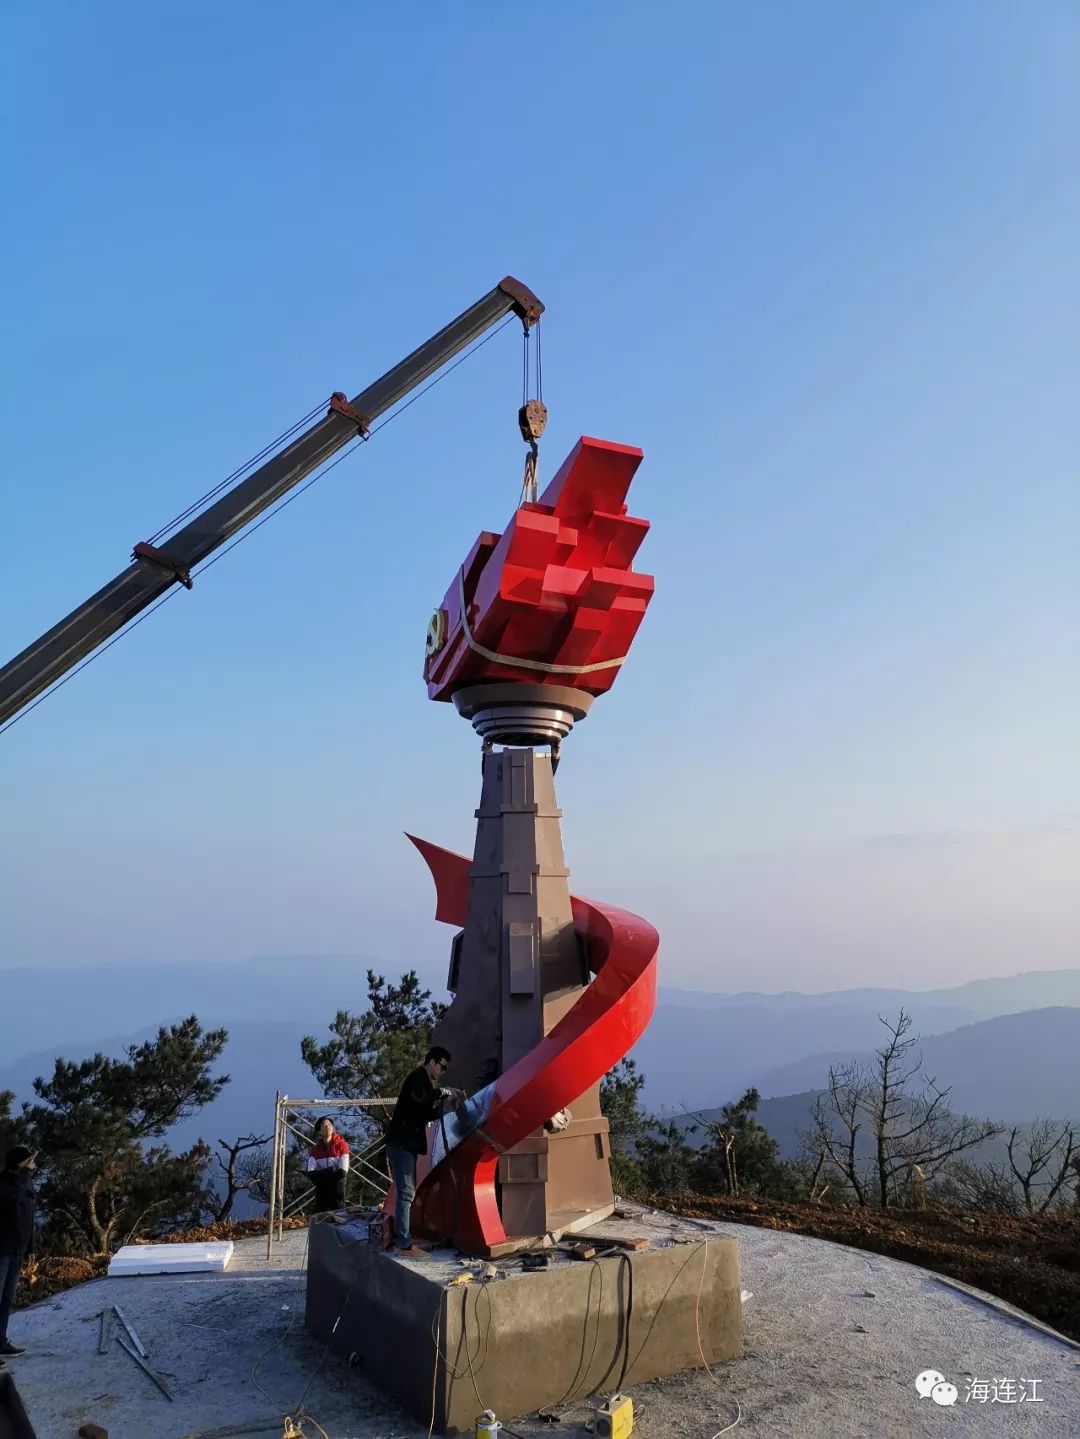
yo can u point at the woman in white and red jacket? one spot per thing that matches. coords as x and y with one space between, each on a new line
327 1166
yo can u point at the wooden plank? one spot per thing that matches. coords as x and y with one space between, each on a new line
106 1331
131 1331
145 1367
580 1251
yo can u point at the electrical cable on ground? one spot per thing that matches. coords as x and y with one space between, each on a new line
625 1258
660 1306
299 1406
486 1340
294 1310
483 1341
734 1423
437 1323
324 470
701 1351
294 1427
556 1410
296 1415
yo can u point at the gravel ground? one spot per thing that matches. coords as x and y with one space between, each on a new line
835 1338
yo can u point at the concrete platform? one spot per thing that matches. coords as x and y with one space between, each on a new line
834 1340
523 1340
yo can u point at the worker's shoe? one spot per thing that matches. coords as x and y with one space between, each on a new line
11 1351
413 1251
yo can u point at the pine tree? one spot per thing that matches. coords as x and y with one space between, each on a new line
369 1055
102 1179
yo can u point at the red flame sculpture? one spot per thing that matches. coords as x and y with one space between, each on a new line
553 599
535 625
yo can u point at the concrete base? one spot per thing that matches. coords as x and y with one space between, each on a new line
526 1340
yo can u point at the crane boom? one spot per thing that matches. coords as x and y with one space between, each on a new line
154 571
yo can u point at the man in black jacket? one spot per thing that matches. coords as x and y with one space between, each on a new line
16 1234
421 1100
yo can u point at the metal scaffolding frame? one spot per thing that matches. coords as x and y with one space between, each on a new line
285 1113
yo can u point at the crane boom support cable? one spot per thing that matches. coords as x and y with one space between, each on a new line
243 469
154 571
208 563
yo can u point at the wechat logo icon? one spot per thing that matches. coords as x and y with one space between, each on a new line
926 1381
932 1384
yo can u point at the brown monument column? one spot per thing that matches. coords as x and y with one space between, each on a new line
519 963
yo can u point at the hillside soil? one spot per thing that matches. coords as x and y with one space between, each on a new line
1032 1263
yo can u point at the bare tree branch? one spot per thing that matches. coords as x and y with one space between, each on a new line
1048 1150
239 1176
888 1129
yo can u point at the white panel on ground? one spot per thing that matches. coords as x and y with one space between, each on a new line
170 1258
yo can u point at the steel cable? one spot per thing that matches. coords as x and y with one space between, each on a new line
132 624
235 475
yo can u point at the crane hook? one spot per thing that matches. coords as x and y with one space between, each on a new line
532 418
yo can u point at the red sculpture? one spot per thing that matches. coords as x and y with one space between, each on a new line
535 625
553 599
457 1196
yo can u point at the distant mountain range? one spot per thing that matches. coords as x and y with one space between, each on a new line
58 1010
702 1048
1010 1048
787 1117
261 1058
1012 1068
978 999
707 1055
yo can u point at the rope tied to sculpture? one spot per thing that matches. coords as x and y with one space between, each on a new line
541 666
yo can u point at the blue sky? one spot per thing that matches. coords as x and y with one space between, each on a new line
818 261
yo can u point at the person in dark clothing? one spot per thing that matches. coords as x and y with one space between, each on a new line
16 1234
421 1100
328 1165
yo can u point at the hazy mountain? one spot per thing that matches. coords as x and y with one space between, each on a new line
260 1059
1012 1067
706 1048
700 1050
978 999
702 1056
68 1008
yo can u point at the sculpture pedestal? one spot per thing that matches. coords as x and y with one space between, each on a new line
516 968
526 1340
